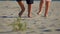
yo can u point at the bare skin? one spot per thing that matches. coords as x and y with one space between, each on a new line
29 10
23 9
47 8
47 4
40 6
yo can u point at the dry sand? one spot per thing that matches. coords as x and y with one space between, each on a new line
36 25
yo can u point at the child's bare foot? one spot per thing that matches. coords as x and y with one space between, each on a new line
29 16
38 13
19 14
45 15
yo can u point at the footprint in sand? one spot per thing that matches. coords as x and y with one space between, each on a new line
57 29
47 30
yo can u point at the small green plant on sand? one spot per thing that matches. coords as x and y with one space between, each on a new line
18 25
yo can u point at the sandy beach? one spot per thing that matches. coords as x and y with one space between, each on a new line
36 25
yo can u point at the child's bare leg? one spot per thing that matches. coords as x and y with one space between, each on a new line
47 8
22 8
40 6
29 10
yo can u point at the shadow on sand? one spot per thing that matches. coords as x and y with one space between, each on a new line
8 16
7 32
23 17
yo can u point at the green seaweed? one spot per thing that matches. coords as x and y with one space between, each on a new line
18 25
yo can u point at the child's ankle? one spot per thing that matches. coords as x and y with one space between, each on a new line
23 9
29 16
